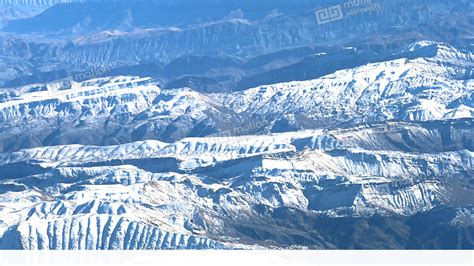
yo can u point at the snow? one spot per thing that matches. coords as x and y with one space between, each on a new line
403 142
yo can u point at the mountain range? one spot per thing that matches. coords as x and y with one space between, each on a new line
248 125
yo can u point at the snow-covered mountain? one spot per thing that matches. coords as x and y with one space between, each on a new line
213 192
435 84
376 156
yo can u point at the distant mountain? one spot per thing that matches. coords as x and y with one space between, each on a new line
98 15
189 65
11 10
197 83
118 42
242 37
33 3
314 66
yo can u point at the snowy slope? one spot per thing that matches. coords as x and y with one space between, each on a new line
116 197
435 85
99 110
119 163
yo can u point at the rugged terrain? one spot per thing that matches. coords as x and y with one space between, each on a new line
377 156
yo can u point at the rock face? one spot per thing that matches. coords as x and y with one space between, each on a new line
401 89
235 192
434 84
375 156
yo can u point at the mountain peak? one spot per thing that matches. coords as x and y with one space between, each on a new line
438 50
